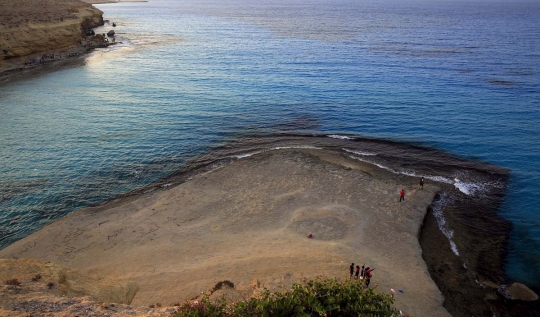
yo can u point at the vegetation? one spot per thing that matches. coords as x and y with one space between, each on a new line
314 298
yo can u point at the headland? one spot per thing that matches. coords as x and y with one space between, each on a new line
250 220
34 33
242 212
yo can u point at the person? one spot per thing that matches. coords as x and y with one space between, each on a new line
368 276
422 183
401 195
363 272
357 272
351 269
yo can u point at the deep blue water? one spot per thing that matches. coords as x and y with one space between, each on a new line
192 75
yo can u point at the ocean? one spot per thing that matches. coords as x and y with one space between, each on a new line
192 76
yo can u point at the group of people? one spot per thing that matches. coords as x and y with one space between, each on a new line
46 58
41 59
362 274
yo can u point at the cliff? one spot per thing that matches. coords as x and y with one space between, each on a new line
35 26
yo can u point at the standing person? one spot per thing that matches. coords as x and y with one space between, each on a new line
368 276
402 195
357 272
351 270
422 183
363 273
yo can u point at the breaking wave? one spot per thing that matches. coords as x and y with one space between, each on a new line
438 206
467 188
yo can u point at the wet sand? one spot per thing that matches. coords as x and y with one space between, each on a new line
249 220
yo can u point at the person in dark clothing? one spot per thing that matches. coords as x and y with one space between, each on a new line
363 272
402 195
422 183
351 269
357 272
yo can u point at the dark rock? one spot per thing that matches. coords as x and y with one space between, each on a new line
518 291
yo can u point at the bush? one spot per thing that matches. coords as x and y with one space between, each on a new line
314 298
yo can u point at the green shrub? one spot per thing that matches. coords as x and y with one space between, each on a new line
314 298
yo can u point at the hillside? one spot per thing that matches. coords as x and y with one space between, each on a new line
38 26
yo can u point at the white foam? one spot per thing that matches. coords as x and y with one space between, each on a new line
440 179
342 137
376 164
241 156
359 152
466 188
296 147
438 207
470 188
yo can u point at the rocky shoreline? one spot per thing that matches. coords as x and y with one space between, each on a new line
474 283
37 28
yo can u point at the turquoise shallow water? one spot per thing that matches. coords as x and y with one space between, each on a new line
461 77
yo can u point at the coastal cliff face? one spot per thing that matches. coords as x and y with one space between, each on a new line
35 26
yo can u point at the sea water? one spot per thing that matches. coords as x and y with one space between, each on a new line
193 75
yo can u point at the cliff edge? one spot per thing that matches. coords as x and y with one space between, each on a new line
35 26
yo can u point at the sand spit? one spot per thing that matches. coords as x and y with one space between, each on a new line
249 220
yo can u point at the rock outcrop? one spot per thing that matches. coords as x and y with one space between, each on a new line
519 291
35 26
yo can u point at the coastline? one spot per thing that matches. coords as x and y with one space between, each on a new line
434 240
428 235
15 70
57 34
253 229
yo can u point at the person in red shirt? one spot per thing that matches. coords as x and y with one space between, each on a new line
368 276
401 195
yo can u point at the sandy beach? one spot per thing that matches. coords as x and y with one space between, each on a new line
250 220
